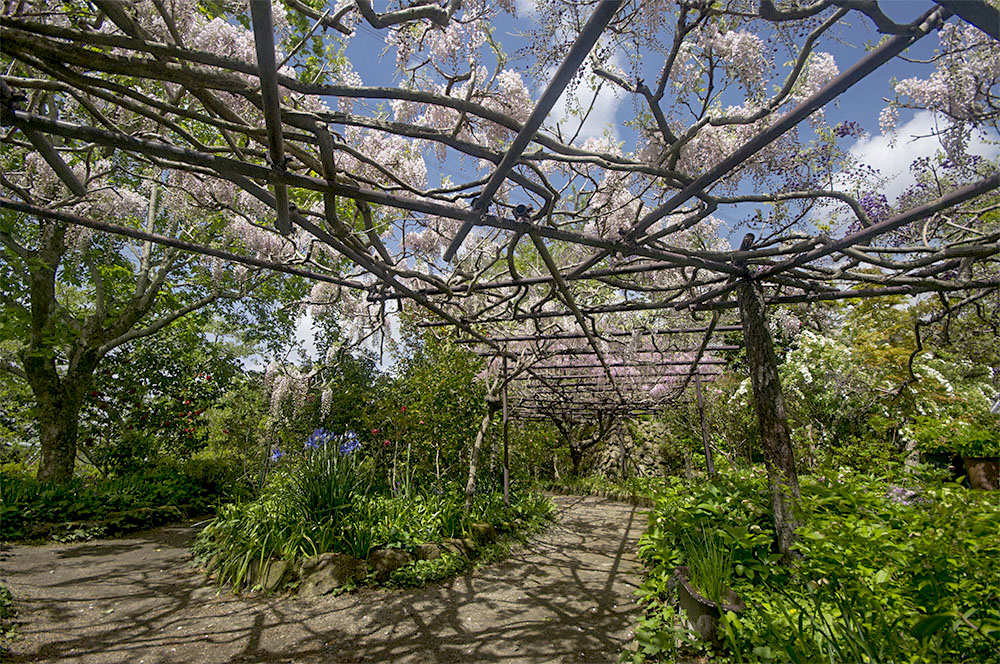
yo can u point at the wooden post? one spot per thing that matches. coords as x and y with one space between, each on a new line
688 470
704 432
506 438
621 450
769 404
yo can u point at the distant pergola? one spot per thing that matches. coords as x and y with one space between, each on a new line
561 331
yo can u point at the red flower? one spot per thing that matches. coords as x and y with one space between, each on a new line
421 421
374 432
386 443
403 409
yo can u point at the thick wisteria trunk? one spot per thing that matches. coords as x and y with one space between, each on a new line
622 453
576 457
769 404
58 401
484 426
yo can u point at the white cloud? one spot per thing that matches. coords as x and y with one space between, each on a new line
914 140
305 338
601 116
526 7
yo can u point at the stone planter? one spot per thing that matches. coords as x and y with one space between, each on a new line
982 472
702 613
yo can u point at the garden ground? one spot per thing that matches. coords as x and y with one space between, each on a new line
566 596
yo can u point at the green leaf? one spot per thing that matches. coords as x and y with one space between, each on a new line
930 625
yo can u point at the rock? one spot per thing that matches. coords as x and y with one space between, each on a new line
453 546
483 532
427 552
387 561
277 572
252 577
324 573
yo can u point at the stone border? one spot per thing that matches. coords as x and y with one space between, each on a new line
327 572
111 524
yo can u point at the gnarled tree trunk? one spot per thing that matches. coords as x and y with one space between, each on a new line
58 402
769 404
58 423
484 426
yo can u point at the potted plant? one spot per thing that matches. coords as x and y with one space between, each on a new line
703 590
980 451
975 438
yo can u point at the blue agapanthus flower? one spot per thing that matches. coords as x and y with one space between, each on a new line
276 454
318 439
351 443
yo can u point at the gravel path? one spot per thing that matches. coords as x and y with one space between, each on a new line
564 597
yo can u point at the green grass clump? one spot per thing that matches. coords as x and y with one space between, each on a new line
711 565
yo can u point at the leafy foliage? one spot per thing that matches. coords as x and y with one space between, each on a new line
854 398
150 397
885 573
91 507
8 629
323 500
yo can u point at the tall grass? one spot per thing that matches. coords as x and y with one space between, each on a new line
327 482
245 536
711 565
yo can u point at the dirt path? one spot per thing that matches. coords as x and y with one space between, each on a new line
565 597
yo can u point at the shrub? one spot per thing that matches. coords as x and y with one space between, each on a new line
32 508
322 501
886 573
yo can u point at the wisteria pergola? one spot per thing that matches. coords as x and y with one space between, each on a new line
595 282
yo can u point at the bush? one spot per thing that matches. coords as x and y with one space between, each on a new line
322 501
887 573
39 510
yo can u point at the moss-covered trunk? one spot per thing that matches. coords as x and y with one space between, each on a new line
769 404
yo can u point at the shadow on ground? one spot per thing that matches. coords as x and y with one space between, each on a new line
564 597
